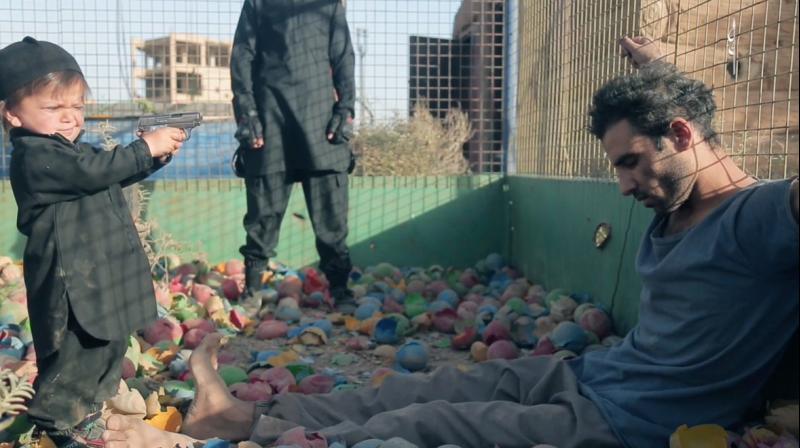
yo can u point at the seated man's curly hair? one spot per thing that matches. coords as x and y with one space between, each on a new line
650 99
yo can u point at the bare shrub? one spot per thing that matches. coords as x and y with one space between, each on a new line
421 146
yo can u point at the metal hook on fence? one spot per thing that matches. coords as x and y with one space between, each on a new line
731 49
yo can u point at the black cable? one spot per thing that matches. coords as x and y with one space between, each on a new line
622 256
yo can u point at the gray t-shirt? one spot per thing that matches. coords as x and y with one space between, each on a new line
719 303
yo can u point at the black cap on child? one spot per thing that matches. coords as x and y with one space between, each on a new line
28 60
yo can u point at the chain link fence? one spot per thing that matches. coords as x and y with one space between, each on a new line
745 49
519 73
143 57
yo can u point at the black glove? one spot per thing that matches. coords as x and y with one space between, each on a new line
248 125
249 129
340 127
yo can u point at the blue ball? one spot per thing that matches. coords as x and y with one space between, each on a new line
376 301
495 261
381 286
438 305
263 356
288 314
386 331
413 355
324 325
569 336
13 346
12 328
217 443
366 310
295 331
398 295
449 296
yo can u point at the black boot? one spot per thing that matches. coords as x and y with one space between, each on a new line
253 274
343 299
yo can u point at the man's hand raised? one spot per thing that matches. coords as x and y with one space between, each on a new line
640 50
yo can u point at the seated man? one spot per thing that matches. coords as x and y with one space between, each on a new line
719 265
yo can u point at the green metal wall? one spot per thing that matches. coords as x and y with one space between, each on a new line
552 239
543 226
406 221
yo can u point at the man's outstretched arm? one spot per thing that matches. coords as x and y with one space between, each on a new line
640 50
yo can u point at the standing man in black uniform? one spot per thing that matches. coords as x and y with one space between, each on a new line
292 72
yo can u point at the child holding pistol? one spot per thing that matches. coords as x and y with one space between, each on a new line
88 280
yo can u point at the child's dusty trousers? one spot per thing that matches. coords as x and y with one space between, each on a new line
516 403
74 381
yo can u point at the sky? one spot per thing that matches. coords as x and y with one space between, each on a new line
99 33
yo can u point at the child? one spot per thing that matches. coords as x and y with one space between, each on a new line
88 280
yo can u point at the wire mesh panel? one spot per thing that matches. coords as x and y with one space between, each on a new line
430 96
745 49
143 57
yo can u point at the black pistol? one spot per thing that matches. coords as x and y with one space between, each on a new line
186 121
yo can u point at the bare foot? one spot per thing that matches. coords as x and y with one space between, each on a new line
214 412
132 432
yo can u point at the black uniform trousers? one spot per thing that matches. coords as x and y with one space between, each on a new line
75 380
327 203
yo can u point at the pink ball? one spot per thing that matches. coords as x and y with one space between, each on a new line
357 343
316 384
11 274
227 358
166 329
468 278
472 297
234 266
468 304
280 379
251 391
202 324
415 286
257 375
290 286
128 369
271 329
544 347
513 290
392 306
495 331
463 341
299 437
596 321
231 288
535 294
175 286
193 338
544 325
238 319
445 320
434 288
314 282
202 293
163 297
502 349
